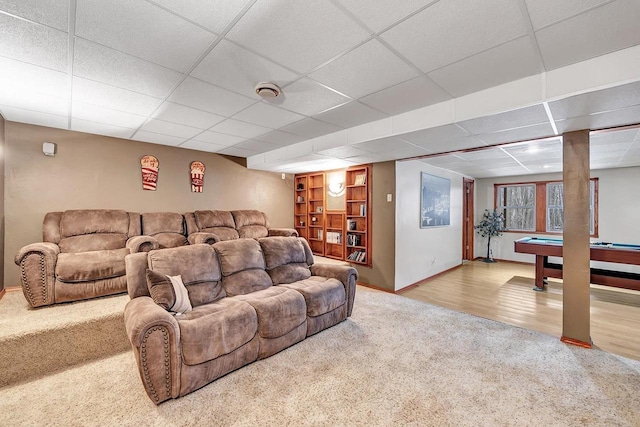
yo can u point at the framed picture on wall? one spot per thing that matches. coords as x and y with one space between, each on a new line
435 201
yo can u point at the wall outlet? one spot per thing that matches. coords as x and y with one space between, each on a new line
389 197
283 176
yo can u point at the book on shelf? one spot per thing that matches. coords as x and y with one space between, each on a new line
320 234
361 179
334 237
354 240
359 256
363 209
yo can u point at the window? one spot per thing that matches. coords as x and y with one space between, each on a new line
518 203
538 207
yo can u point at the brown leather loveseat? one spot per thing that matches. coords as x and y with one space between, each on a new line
247 300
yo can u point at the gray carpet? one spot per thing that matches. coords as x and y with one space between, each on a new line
394 362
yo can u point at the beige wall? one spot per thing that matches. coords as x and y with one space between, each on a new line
90 171
382 272
2 156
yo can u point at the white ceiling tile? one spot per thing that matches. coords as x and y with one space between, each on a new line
256 146
308 97
99 63
367 69
53 13
238 128
18 98
32 79
509 171
440 146
264 114
143 30
33 43
596 102
622 117
542 130
311 128
280 138
440 133
34 117
351 114
536 150
213 15
452 30
171 129
344 152
321 32
80 110
626 136
408 152
177 113
384 145
508 120
368 158
87 126
507 62
201 95
114 98
487 155
605 29
407 96
218 138
545 12
156 138
238 152
239 70
379 14
202 146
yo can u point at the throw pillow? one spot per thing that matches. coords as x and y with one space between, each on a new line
168 292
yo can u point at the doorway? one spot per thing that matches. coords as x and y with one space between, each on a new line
467 219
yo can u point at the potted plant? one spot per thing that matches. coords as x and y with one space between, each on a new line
491 225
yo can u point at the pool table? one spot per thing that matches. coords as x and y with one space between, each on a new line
543 248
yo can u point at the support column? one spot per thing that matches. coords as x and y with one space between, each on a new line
576 273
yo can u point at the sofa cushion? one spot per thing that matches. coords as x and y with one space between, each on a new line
95 265
213 330
162 222
223 233
285 259
198 266
93 242
170 240
279 310
251 224
242 264
91 221
321 295
208 219
168 292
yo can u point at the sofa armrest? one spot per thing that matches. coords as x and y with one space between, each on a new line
37 263
202 237
142 244
347 275
286 232
154 335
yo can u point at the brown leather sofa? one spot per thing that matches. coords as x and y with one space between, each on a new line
210 226
249 300
81 256
168 229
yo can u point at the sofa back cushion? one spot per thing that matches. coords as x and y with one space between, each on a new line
197 264
90 229
251 224
243 267
219 223
285 258
166 227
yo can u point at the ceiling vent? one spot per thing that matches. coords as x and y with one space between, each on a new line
268 90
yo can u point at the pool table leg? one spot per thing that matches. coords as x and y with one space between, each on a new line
540 261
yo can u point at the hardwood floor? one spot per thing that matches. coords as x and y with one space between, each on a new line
503 291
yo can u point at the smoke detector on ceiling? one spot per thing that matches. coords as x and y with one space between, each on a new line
268 90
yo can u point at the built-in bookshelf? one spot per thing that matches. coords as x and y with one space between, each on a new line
343 234
358 216
334 241
315 211
300 206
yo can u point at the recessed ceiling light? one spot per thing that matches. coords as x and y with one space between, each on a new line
268 90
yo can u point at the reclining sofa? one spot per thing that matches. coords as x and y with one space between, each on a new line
247 300
82 253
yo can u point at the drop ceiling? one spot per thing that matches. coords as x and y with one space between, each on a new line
363 80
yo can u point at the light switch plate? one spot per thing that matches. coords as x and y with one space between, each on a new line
389 197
